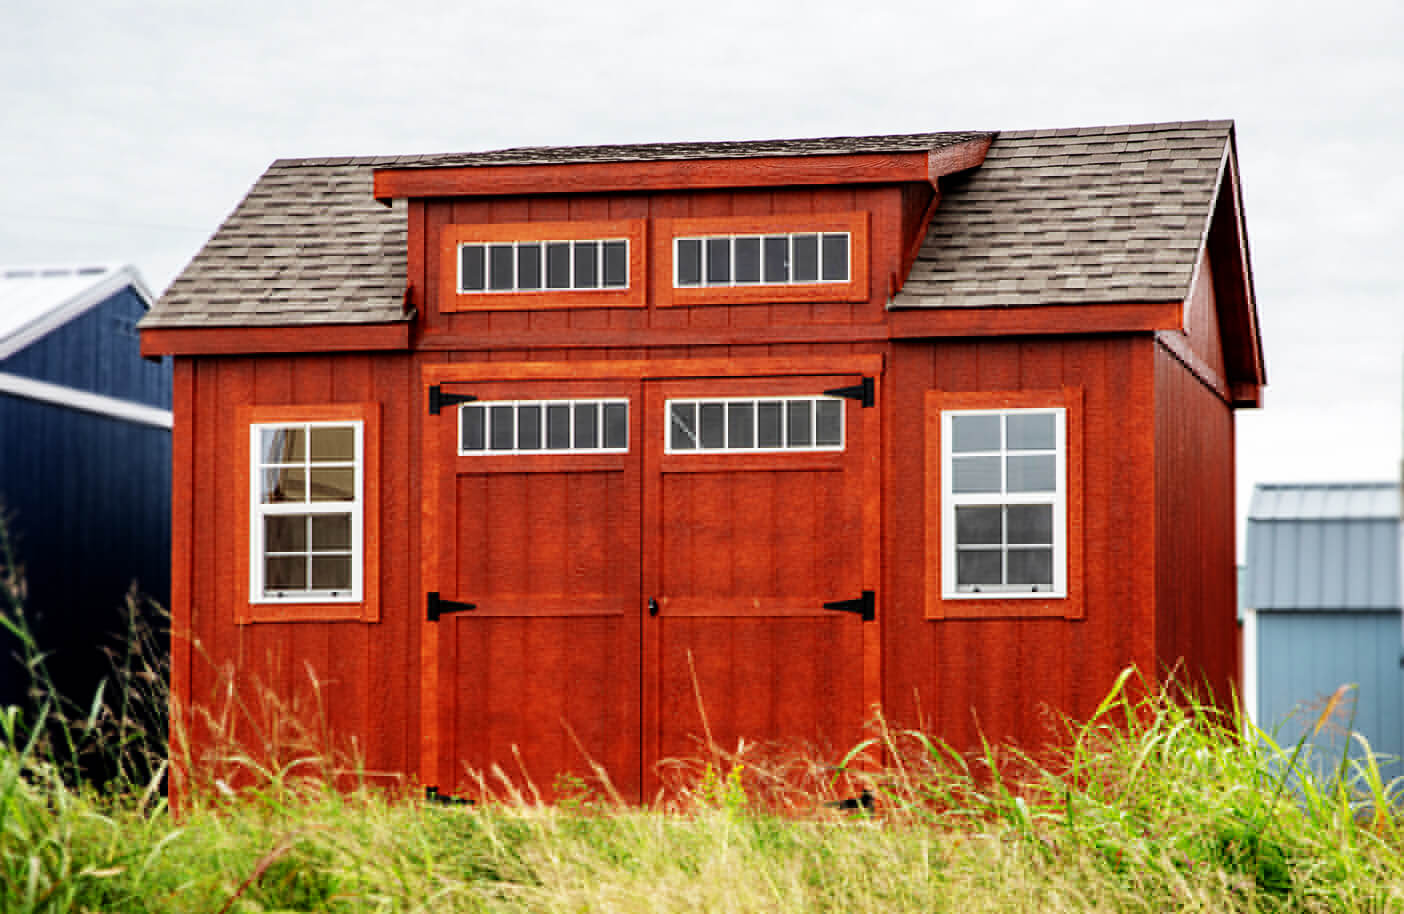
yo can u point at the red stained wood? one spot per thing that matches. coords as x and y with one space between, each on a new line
275 340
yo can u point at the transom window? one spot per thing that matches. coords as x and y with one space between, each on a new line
543 427
307 497
780 259
1004 498
755 424
535 266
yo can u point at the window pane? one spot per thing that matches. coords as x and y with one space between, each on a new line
1031 524
1031 568
828 423
503 436
558 265
974 433
587 266
285 572
331 532
500 266
769 424
718 261
798 423
528 266
978 568
331 572
616 425
740 425
616 264
333 484
689 262
282 485
777 258
975 474
333 443
1032 474
472 433
748 259
979 526
285 533
806 258
283 445
713 435
558 426
836 257
682 427
587 425
472 268
529 427
1032 432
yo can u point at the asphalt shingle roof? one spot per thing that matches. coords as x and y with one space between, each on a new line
1107 214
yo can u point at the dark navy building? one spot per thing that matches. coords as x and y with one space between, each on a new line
85 455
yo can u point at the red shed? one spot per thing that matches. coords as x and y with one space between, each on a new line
527 455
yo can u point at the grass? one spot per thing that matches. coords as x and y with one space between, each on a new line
1159 802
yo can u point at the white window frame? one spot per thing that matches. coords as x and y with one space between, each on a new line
599 402
732 283
785 448
258 511
950 500
542 244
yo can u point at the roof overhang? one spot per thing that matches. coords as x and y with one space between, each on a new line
1226 241
233 340
690 174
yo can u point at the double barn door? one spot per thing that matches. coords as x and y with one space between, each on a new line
625 571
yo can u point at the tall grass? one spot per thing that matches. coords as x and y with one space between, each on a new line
1158 802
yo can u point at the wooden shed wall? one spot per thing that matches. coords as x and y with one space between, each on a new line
966 677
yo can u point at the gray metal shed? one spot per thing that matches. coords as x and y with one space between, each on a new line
1322 602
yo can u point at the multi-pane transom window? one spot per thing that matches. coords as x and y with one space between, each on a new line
543 427
307 496
748 260
543 266
1004 499
755 424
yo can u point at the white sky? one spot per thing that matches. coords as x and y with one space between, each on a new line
128 130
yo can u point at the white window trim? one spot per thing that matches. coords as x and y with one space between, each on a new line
543 288
732 282
259 510
1059 500
726 429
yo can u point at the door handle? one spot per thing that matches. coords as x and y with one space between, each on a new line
653 606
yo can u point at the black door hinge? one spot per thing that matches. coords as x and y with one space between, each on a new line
438 399
865 606
864 392
437 606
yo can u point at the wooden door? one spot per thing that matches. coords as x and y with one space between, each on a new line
760 509
533 538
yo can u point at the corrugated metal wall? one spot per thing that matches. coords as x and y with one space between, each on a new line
1323 576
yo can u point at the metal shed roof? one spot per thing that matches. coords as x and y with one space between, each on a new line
35 301
1324 546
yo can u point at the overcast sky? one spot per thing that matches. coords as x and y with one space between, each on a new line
129 130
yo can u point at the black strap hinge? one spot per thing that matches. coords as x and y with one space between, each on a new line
437 606
865 606
438 399
864 392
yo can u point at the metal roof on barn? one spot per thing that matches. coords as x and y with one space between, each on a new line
1324 546
35 301
1086 216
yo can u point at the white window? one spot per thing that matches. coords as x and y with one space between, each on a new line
537 266
500 427
307 496
1004 503
755 424
747 260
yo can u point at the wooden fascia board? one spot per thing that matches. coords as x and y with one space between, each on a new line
1037 320
1226 240
158 341
691 174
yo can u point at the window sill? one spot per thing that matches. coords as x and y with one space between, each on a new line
290 611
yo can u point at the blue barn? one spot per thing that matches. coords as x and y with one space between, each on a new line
85 447
1322 604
